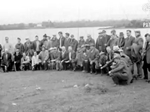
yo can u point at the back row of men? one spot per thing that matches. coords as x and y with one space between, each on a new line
88 55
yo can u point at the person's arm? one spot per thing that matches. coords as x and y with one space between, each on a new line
120 67
47 56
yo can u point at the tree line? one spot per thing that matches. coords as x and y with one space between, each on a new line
74 24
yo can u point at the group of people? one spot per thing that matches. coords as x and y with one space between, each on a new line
120 58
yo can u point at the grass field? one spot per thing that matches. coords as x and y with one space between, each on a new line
66 91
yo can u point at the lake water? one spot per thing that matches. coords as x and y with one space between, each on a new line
77 32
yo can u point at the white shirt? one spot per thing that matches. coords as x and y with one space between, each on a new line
35 60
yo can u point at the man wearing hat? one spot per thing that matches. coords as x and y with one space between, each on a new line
73 43
28 47
67 41
37 44
113 39
102 39
90 40
121 40
19 46
136 51
93 58
81 41
61 39
44 56
120 72
55 41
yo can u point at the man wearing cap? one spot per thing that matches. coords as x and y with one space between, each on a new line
37 44
113 39
61 39
7 61
128 43
19 46
55 41
44 56
73 43
8 46
44 39
28 46
121 40
102 39
136 51
90 40
120 73
93 58
81 41
67 41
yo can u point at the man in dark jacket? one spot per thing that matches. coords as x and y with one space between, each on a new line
7 61
73 43
28 46
146 56
61 39
37 45
121 40
19 46
81 42
67 41
102 40
17 60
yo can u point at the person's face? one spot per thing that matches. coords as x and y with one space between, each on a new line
108 49
89 37
43 49
37 38
67 36
113 33
19 41
128 33
7 40
148 38
137 34
54 37
60 34
121 36
72 37
35 53
24 54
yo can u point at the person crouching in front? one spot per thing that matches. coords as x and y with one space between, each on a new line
120 73
65 58
6 61
93 58
25 62
35 61
44 56
17 60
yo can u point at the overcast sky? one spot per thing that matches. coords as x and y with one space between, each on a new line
16 11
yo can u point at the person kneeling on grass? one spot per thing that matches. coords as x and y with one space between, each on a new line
44 56
17 60
65 58
25 62
120 73
35 61
6 61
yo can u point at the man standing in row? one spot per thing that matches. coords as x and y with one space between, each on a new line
37 45
19 46
61 39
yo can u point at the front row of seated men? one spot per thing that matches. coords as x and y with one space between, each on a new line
87 58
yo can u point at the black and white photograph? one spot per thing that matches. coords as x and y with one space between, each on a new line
75 56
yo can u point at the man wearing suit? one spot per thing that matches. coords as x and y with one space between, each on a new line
37 44
6 61
90 40
128 43
81 42
73 43
102 40
146 56
65 58
19 46
67 42
61 39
